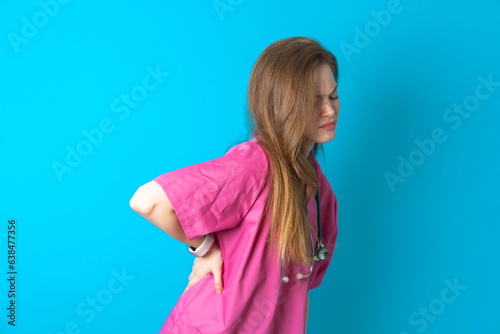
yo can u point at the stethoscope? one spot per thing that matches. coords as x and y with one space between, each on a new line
320 253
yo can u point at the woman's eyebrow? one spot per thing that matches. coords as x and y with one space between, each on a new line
330 93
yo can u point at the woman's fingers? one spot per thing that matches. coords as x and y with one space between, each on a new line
217 281
217 271
211 262
193 280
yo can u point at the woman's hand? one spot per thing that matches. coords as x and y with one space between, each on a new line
209 263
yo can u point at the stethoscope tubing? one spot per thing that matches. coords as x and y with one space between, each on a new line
285 279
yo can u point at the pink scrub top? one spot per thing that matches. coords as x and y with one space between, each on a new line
223 196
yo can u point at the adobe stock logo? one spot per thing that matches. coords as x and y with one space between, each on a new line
427 146
430 312
373 28
121 106
95 304
223 6
40 19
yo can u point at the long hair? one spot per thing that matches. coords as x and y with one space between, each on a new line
280 100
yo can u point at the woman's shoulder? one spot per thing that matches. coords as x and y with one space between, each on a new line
251 144
250 154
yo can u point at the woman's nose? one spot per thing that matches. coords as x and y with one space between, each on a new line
327 109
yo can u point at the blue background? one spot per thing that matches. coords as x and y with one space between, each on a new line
399 246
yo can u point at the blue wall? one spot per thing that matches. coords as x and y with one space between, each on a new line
414 163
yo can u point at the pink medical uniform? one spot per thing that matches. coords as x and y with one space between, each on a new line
223 196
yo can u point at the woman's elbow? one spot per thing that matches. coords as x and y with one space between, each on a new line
141 202
147 197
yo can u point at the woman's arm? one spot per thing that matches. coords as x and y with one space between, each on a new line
151 202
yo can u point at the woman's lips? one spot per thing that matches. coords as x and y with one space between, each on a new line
329 126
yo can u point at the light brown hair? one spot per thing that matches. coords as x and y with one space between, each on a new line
281 97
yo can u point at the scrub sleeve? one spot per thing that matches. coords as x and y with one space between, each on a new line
215 195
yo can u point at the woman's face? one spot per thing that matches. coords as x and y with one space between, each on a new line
326 110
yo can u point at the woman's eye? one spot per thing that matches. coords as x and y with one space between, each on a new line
334 98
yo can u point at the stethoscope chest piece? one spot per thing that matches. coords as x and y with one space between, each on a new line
321 252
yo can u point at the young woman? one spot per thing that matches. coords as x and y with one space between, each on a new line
255 209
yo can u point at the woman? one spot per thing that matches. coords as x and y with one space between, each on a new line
256 206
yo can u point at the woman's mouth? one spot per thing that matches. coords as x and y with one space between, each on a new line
329 126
